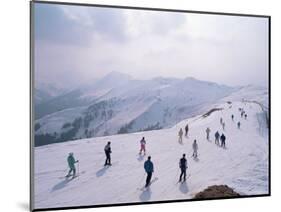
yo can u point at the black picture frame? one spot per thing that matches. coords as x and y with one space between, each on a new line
31 143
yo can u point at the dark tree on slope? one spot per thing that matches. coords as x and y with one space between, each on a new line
70 134
77 123
37 126
44 139
152 127
126 128
66 125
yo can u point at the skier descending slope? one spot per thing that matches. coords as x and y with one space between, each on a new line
148 167
223 141
186 130
245 116
208 133
183 167
195 149
180 135
242 113
223 125
142 143
232 117
71 163
217 136
238 125
107 151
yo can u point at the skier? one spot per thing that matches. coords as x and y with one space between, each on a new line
232 117
223 140
183 167
71 163
223 125
208 133
180 135
148 167
245 116
217 136
221 120
195 149
242 113
238 124
142 143
107 150
186 130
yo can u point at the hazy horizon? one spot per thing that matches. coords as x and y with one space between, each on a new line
74 44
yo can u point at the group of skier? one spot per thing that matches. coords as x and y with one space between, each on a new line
148 165
181 133
219 138
243 113
194 145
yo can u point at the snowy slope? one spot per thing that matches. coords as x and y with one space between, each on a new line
243 165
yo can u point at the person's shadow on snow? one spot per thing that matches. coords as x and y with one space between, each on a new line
61 184
140 158
196 159
102 171
145 195
183 188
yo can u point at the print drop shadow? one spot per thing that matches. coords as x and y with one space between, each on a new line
145 195
183 188
24 206
61 184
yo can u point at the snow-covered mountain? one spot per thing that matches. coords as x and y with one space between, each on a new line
118 103
242 165
45 91
84 95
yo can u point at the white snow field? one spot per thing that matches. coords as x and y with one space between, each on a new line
243 165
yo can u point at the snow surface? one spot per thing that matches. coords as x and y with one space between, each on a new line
51 124
243 165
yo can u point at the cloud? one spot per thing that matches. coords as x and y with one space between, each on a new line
87 42
141 23
77 25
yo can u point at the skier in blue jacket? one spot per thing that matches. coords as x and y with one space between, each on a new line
148 167
71 163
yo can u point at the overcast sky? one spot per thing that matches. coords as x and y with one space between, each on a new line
74 44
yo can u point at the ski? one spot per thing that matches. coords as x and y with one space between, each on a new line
178 182
152 181
71 176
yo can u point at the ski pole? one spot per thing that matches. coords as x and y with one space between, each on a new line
78 169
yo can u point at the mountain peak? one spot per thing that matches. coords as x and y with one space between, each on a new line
117 75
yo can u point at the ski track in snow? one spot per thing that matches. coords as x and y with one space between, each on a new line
243 165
